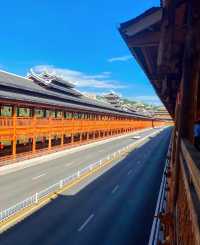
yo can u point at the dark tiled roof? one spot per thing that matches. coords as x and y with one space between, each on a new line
50 102
18 88
140 17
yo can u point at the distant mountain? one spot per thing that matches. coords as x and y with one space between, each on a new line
140 104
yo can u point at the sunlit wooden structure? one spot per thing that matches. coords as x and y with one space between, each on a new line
166 43
44 113
162 114
113 99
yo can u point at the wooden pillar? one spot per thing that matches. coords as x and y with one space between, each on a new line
72 138
62 140
14 132
49 136
62 134
49 142
152 123
187 101
73 128
81 137
34 131
190 77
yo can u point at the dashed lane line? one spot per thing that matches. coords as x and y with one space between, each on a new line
39 176
86 222
69 164
115 189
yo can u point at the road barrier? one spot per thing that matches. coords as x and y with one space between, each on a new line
34 199
156 234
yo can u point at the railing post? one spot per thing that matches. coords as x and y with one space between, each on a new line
14 132
49 142
61 184
62 134
72 138
81 137
36 197
34 129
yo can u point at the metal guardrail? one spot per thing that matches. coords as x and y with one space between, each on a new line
34 199
156 234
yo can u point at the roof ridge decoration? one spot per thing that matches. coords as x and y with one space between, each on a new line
15 87
47 78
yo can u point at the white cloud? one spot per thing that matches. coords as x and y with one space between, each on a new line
120 58
80 79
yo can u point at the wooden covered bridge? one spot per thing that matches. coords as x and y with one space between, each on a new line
165 41
43 113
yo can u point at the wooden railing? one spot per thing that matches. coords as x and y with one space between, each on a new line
24 122
6 122
188 199
14 129
28 125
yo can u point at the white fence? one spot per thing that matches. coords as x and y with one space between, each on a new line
34 199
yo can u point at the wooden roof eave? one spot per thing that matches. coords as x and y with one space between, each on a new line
151 66
170 50
142 35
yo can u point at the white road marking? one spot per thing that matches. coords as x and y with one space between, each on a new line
69 164
130 171
39 176
115 189
86 222
136 137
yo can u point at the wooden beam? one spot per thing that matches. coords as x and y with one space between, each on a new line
191 206
144 39
191 156
148 60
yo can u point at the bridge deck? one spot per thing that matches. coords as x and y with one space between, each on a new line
109 208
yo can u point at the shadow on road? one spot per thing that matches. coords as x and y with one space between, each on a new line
120 217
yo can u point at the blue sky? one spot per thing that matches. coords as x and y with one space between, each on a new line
78 38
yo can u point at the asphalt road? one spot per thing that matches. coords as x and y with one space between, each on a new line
115 207
17 186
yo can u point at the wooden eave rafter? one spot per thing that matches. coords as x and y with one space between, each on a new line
145 39
166 35
170 52
149 60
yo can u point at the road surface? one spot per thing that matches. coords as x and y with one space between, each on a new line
17 186
115 207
